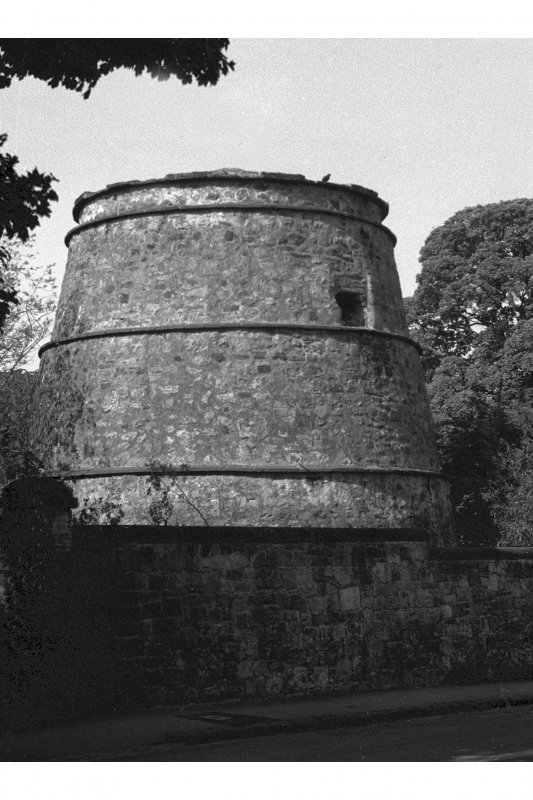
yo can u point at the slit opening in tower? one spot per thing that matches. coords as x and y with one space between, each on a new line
352 309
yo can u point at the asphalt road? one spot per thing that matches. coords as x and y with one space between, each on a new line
496 735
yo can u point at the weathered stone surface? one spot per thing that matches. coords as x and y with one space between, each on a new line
229 265
352 502
237 249
393 615
232 397
212 187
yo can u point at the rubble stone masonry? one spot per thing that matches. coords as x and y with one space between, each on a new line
243 332
229 615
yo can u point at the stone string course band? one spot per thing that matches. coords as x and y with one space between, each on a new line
228 326
221 208
300 471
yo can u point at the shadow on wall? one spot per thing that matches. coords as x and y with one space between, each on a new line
134 616
57 623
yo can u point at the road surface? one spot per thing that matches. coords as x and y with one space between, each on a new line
496 735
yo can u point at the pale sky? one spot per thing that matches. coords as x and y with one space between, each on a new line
432 125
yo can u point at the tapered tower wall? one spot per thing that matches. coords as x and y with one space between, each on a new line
243 336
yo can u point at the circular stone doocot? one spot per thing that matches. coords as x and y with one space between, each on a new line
244 334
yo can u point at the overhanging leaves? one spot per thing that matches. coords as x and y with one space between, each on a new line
78 64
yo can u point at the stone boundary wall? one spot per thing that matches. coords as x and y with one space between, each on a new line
203 615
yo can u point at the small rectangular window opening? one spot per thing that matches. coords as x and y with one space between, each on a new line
352 311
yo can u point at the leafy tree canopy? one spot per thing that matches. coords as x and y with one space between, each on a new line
27 325
17 395
471 434
473 314
30 320
24 199
476 281
78 64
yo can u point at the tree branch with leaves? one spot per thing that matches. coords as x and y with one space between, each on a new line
472 312
30 320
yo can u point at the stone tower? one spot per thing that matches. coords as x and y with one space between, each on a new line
241 334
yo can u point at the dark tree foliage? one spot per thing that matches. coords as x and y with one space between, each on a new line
476 281
470 430
17 393
8 296
78 64
24 199
472 313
